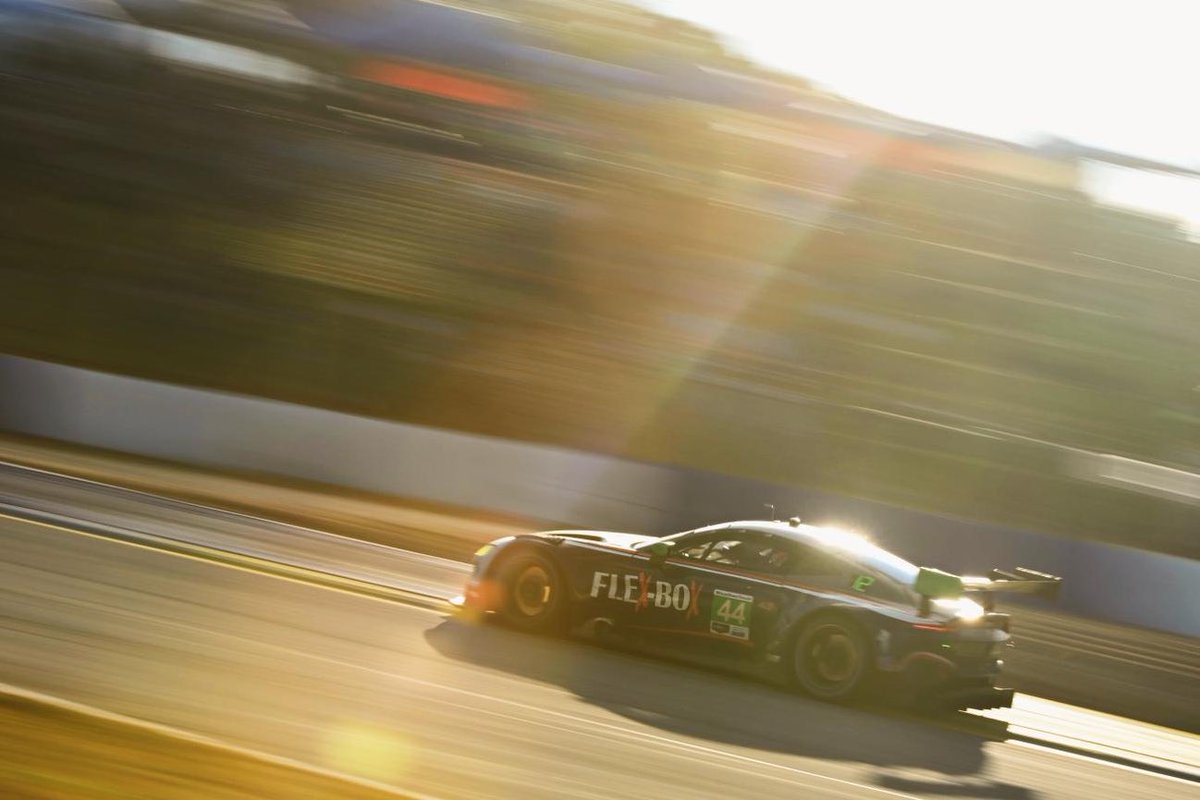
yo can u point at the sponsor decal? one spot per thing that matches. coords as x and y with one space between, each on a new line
861 583
730 614
643 592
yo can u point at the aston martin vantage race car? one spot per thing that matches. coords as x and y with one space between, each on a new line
836 615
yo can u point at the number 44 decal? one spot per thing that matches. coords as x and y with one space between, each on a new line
730 614
729 610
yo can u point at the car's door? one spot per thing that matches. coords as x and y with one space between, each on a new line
719 593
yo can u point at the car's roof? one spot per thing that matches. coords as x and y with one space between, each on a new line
846 543
807 534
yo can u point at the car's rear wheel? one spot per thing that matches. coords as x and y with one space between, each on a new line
533 593
831 659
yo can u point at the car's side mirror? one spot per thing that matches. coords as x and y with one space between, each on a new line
658 552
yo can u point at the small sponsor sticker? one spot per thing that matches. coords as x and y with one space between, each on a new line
729 614
862 583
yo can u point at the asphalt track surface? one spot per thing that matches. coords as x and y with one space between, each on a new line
1121 670
401 693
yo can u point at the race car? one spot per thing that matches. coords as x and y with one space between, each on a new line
838 616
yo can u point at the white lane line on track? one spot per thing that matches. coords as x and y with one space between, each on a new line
148 546
1103 631
1177 652
1097 649
397 676
160 499
182 735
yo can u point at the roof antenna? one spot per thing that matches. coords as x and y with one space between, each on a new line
771 507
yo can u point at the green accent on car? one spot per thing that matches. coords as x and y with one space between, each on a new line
660 549
862 582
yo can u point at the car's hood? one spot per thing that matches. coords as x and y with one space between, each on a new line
614 538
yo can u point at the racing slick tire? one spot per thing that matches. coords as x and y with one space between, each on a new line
534 593
831 658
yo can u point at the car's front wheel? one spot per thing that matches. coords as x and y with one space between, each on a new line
831 658
534 597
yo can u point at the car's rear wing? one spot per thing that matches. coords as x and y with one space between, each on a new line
933 583
1019 580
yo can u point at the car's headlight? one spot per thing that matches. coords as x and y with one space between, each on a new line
960 608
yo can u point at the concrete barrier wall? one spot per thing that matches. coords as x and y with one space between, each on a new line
223 430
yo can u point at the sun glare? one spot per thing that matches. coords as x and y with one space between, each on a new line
1109 75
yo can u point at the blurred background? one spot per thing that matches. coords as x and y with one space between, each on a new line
587 224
